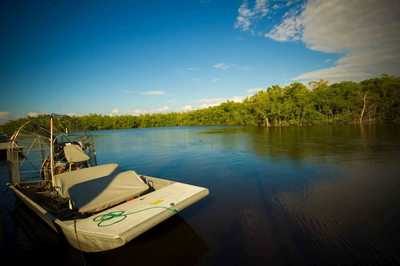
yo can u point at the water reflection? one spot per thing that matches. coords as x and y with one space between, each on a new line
319 142
173 242
291 196
27 239
354 216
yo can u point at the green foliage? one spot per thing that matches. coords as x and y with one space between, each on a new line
294 104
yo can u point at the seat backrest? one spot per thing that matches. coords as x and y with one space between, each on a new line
74 154
66 180
98 194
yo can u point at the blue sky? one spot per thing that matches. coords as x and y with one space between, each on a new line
131 57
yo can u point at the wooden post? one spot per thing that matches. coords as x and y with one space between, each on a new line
51 152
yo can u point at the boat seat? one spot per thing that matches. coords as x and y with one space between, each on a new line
96 188
66 180
101 193
74 154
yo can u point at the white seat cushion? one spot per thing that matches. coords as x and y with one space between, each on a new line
101 193
68 179
74 154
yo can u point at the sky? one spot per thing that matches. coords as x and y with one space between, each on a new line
134 57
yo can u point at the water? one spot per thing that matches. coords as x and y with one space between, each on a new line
291 196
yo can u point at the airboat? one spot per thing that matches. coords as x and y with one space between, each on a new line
96 207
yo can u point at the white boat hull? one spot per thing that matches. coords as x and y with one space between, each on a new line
114 227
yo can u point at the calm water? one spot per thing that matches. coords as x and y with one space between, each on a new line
298 196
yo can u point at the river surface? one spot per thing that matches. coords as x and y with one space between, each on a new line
291 196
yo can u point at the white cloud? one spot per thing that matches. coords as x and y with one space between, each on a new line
147 93
215 80
224 66
187 108
289 3
289 29
35 114
243 20
208 102
162 109
247 16
192 68
115 111
4 114
221 66
75 114
138 112
4 117
237 99
153 93
366 33
254 90
261 8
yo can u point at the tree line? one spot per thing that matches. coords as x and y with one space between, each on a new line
368 101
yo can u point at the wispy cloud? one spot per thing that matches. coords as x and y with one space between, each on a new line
225 66
192 69
366 33
187 108
275 6
247 15
162 109
153 93
114 112
146 93
289 30
213 80
261 8
4 117
254 90
208 102
222 66
75 114
35 114
243 20
237 99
